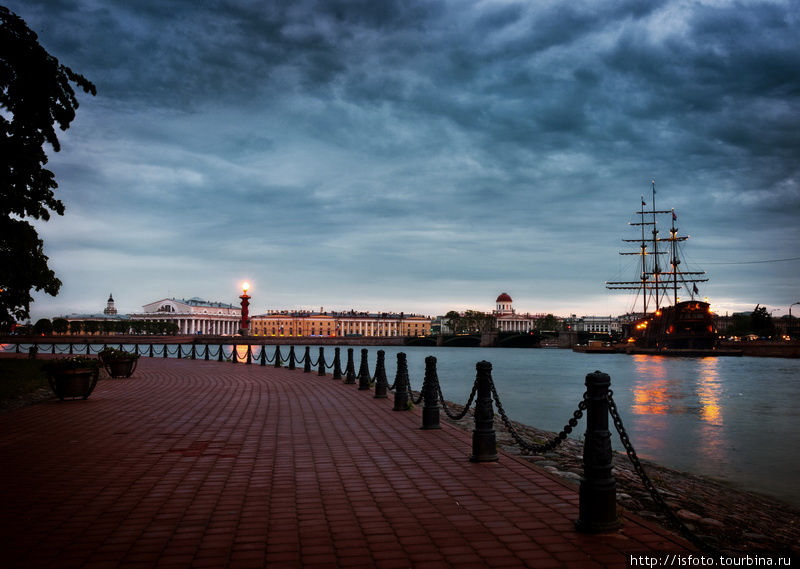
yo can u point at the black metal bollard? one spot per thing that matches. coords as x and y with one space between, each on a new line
363 371
350 372
151 351
164 354
193 353
337 364
278 356
597 509
70 348
430 389
263 357
321 362
291 357
220 353
307 358
381 384
33 351
249 360
484 441
401 384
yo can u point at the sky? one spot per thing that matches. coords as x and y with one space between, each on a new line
421 155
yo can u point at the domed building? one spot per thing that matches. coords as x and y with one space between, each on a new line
108 321
507 318
110 308
503 303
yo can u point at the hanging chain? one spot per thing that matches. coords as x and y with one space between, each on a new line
552 443
457 416
648 483
419 399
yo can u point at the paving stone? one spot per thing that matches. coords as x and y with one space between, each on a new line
207 464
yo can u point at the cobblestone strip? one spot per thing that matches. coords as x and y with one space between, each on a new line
201 464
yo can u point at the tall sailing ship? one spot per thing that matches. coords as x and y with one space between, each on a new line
666 324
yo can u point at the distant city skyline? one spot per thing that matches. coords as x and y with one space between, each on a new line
421 155
488 308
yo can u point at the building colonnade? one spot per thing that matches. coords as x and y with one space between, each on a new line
191 324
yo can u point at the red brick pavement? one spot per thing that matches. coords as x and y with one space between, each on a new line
206 464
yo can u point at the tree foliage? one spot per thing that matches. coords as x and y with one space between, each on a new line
548 322
43 327
761 322
470 322
739 325
36 94
60 325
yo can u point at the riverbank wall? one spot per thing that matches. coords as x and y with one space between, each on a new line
758 348
202 340
765 348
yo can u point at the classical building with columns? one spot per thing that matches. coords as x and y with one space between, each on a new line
508 320
193 316
352 323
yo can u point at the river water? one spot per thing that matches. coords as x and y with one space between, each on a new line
732 419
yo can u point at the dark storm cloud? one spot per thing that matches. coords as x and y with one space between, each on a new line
430 136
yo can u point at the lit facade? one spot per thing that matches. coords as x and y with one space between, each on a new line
338 324
193 316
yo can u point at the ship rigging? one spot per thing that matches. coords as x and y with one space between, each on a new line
657 287
667 325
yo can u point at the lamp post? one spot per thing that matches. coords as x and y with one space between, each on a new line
790 317
244 325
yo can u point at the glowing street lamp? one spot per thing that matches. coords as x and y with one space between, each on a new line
244 326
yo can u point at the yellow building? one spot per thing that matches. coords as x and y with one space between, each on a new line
306 323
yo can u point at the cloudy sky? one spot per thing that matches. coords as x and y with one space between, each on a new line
421 155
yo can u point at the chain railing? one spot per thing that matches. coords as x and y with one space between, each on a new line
457 416
577 415
648 483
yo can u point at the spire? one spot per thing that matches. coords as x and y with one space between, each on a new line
110 309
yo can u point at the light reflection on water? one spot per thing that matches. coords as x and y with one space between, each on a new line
662 395
655 392
733 419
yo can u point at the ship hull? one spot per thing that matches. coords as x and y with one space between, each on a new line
685 329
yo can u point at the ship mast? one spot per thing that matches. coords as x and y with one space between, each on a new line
656 267
649 280
679 277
